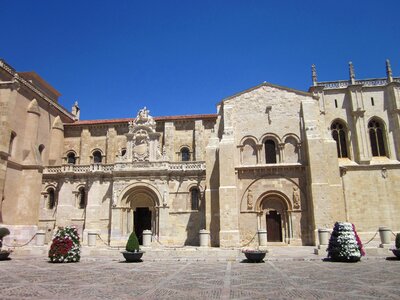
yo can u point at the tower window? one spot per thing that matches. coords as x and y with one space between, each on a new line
339 135
377 138
82 198
185 154
97 158
270 152
71 158
372 101
194 198
51 202
336 103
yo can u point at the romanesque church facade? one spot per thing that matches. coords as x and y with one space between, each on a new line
271 159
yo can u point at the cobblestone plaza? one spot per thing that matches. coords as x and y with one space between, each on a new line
109 277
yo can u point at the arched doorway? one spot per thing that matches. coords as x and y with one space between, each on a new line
139 211
275 217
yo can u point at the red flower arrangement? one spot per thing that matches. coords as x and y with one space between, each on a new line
65 245
359 243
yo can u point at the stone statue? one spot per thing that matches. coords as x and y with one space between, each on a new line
249 200
296 197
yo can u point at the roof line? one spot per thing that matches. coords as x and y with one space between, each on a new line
126 120
29 85
270 85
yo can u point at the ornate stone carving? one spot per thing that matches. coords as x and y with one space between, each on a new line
142 139
296 197
249 200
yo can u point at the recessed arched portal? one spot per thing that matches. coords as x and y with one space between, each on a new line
139 205
275 217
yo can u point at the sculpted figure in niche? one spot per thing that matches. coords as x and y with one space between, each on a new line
296 197
249 200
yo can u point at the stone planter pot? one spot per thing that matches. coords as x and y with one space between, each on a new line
396 252
4 255
255 256
132 256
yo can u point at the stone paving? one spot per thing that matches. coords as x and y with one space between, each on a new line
109 277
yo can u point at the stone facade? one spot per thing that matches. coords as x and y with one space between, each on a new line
271 159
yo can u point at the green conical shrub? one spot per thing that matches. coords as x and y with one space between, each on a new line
3 232
133 244
397 241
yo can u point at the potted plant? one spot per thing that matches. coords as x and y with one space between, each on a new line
254 255
344 244
133 252
65 246
4 253
396 250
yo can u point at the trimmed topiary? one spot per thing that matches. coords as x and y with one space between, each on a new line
133 244
4 232
397 244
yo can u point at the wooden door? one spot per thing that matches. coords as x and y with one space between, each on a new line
274 227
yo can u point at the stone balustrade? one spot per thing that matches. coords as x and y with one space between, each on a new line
128 166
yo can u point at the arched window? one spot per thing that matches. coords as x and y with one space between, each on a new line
123 151
194 198
12 140
270 152
81 198
41 148
71 158
339 135
51 202
97 158
185 154
377 138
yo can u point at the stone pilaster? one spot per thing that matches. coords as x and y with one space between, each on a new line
56 142
393 89
198 140
85 147
228 206
324 188
212 190
169 130
111 145
362 149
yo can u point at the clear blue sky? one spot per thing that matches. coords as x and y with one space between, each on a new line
182 57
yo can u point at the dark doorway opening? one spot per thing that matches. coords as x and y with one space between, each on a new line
142 221
274 227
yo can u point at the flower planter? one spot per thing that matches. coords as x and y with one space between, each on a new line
132 256
396 252
255 256
4 255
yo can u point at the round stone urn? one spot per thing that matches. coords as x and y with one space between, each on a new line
132 256
255 256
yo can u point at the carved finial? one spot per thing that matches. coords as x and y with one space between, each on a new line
389 71
314 74
76 111
352 73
